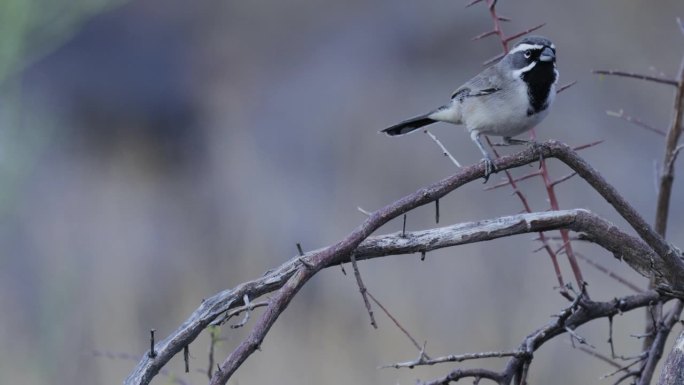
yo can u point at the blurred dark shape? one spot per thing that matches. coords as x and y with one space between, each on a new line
121 85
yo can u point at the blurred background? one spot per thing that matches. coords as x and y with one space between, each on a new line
155 152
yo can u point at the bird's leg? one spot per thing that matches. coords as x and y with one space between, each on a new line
511 142
489 165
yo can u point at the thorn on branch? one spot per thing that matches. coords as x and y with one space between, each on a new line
436 210
186 358
152 353
403 228
304 262
523 33
655 79
503 18
422 255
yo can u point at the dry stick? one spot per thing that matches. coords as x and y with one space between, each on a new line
213 340
636 121
458 374
598 355
445 152
609 272
388 314
186 358
362 289
292 275
454 358
152 353
655 79
236 311
566 86
665 188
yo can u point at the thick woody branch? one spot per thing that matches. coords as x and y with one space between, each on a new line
672 372
291 276
655 353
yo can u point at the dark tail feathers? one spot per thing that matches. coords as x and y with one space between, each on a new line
409 125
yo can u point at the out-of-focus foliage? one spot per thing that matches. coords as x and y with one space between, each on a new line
31 28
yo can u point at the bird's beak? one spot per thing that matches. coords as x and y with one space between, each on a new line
547 55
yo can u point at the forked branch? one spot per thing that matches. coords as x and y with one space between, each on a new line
650 255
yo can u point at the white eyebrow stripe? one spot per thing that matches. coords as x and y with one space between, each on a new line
518 73
524 47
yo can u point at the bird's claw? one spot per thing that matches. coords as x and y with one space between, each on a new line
538 148
489 168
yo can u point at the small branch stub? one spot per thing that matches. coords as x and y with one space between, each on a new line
152 353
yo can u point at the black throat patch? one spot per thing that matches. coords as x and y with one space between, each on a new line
539 80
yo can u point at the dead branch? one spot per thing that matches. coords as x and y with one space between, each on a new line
651 256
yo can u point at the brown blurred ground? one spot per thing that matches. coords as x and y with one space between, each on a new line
157 152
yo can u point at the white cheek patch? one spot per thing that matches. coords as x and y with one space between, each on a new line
525 47
518 73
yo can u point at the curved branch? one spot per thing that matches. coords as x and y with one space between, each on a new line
291 276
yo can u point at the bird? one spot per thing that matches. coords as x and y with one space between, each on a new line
505 99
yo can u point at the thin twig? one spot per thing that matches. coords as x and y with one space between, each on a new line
588 145
362 289
655 79
609 273
563 179
444 150
388 314
516 180
566 86
636 121
454 358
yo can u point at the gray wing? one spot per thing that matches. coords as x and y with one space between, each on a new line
486 82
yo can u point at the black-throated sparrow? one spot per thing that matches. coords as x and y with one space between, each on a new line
505 99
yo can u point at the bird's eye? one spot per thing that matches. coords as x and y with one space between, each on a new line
528 54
